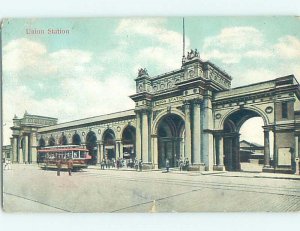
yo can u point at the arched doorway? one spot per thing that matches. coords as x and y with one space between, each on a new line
51 141
170 132
41 157
42 143
76 139
63 140
91 145
109 142
128 142
241 153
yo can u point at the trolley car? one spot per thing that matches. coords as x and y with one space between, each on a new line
48 157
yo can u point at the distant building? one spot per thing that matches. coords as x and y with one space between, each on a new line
251 152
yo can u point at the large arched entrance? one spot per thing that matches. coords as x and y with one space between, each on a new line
128 142
109 142
243 154
91 145
170 132
76 139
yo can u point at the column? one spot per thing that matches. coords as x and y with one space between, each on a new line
237 152
296 146
26 148
221 151
208 141
155 151
266 149
297 155
98 152
15 149
33 148
121 149
138 143
187 138
101 151
118 149
196 134
145 143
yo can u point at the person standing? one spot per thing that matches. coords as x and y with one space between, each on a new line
58 165
70 166
136 164
141 165
167 164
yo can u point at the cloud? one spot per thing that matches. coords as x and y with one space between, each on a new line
21 53
162 48
234 43
288 47
151 28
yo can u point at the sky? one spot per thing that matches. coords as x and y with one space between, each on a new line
91 70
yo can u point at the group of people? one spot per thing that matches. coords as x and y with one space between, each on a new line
113 163
183 163
121 162
69 166
6 164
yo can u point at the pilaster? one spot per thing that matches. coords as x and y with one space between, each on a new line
187 138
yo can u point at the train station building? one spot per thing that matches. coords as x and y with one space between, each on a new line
191 112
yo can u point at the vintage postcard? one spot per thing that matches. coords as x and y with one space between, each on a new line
159 114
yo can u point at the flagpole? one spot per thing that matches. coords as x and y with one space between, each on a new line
183 29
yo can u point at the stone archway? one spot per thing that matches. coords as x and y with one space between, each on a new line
170 140
231 138
128 142
91 145
51 141
109 143
76 140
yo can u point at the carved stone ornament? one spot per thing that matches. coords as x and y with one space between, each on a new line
192 54
218 116
269 109
142 72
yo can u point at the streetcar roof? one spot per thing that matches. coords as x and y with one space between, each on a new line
62 149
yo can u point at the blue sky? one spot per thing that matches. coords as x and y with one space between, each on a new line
91 70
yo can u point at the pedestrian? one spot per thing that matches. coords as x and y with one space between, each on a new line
180 164
136 164
141 165
102 163
167 164
118 163
58 165
70 166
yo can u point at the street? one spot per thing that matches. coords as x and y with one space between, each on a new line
27 188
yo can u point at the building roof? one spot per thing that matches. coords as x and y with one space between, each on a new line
89 120
253 144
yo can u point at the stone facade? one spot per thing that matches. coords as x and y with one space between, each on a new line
189 113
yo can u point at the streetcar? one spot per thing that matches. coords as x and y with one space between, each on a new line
48 157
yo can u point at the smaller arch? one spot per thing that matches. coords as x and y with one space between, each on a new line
108 133
51 141
91 145
42 142
253 109
161 115
76 140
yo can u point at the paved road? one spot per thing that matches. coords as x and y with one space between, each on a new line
28 188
